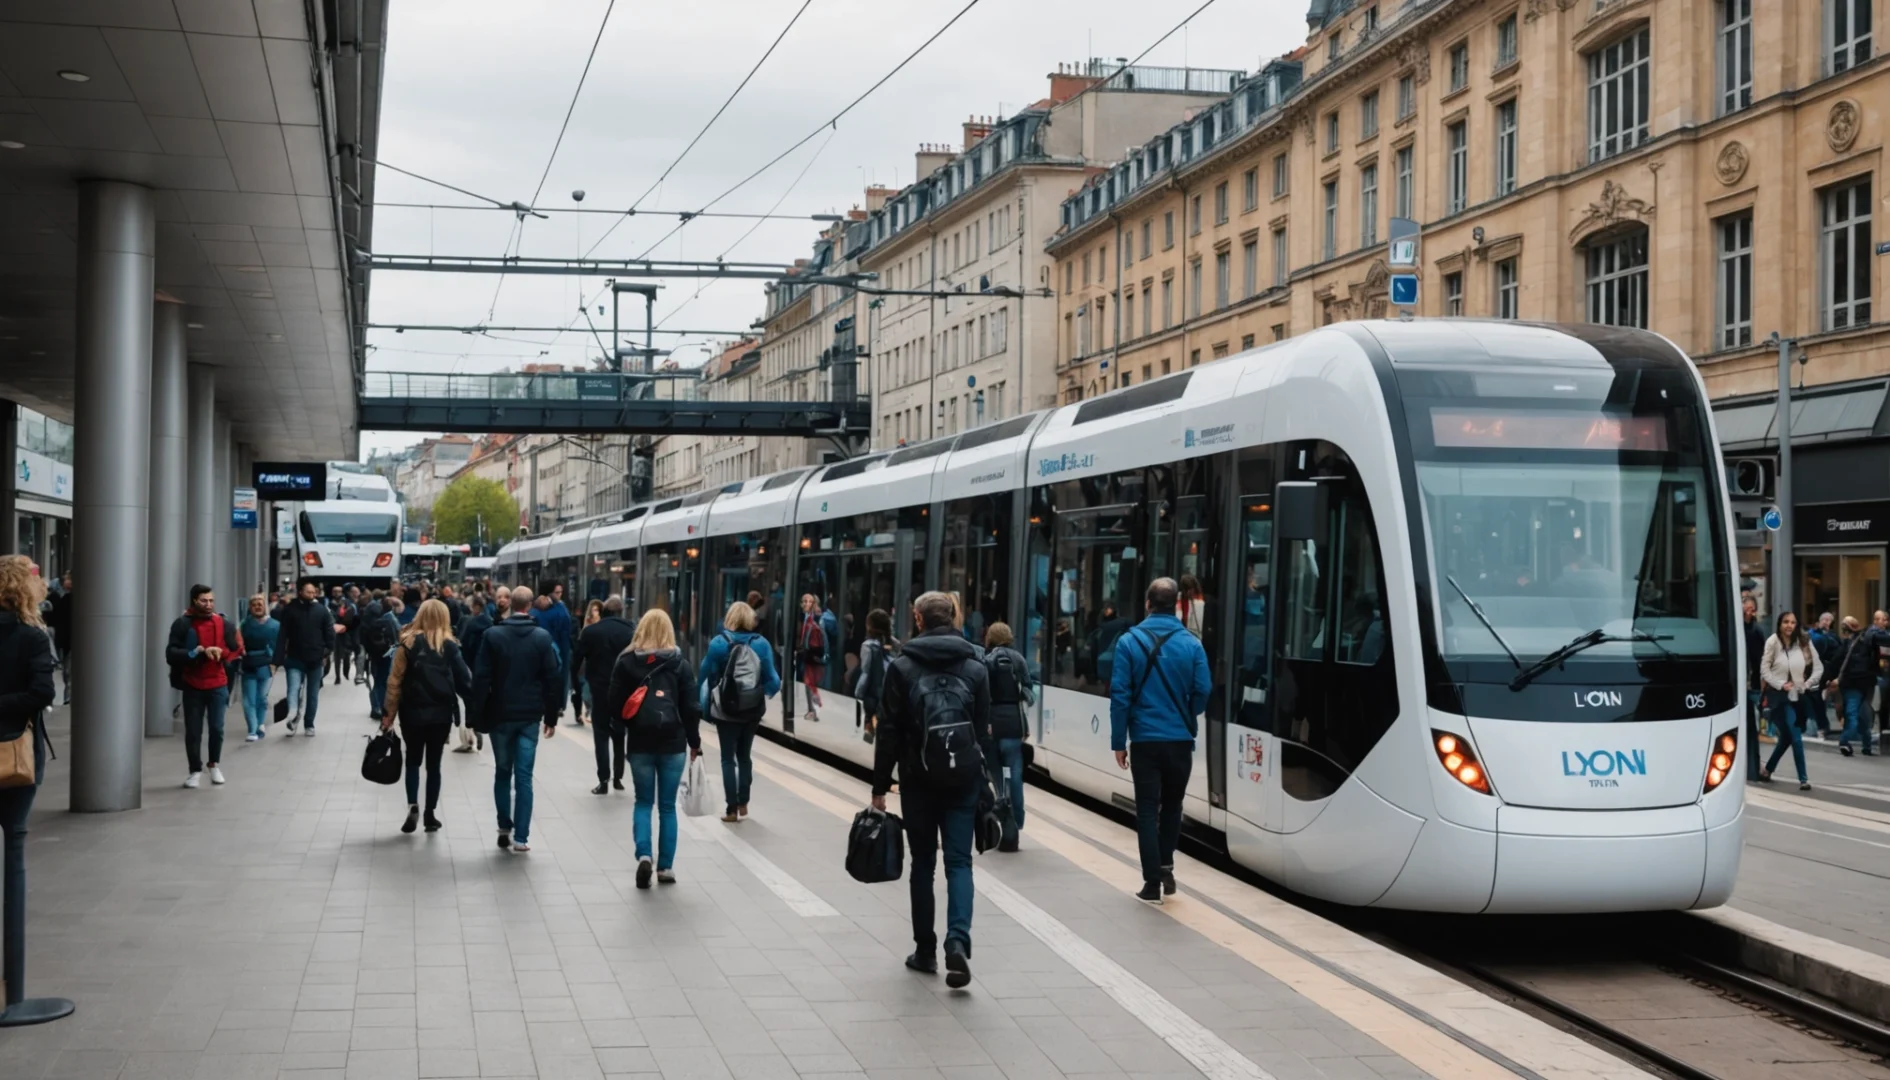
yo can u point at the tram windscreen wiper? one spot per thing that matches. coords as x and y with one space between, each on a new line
1592 638
1477 610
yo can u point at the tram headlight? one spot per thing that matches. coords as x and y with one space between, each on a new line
1460 761
1719 763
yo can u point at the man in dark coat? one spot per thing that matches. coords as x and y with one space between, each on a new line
598 646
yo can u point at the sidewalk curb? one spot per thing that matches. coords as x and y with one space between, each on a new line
1843 974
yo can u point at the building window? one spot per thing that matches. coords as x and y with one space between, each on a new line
1194 288
1128 315
1194 216
1453 293
1220 203
1459 66
1618 91
1368 116
1148 309
1333 47
1128 252
1148 231
1279 331
1407 96
1506 147
1734 327
1168 303
1506 41
1735 55
1250 190
1249 268
1846 258
1332 133
1368 206
1069 277
1280 258
1508 290
1457 176
1280 174
1330 246
1168 230
1617 280
1405 200
1371 18
1085 269
1223 278
1847 27
1246 342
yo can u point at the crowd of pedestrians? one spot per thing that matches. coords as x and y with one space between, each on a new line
1826 680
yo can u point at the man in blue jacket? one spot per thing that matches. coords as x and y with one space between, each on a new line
517 685
555 619
1160 683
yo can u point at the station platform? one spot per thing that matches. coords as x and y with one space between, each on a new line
281 925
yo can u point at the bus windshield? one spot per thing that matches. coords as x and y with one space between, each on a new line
1559 505
335 527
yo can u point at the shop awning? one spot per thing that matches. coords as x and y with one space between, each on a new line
1853 412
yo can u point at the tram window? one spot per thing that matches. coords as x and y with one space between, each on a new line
1256 528
624 566
1361 637
1038 579
1098 579
977 556
1303 599
673 569
598 585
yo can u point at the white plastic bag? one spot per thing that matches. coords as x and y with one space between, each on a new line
699 795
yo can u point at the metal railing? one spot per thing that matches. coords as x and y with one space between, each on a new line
536 386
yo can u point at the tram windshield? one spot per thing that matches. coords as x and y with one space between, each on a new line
334 527
1559 505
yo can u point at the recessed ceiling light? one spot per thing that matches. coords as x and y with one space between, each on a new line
75 76
194 325
275 337
252 270
9 144
262 295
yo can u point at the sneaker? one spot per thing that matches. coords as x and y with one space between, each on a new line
251 737
1804 785
731 817
505 839
433 823
193 780
216 774
666 877
413 819
1151 894
521 848
923 963
309 731
601 788
1168 883
957 965
294 721
1845 749
813 717
643 873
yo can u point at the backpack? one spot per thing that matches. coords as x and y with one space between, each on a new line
428 681
374 636
1006 688
948 744
738 696
872 676
651 708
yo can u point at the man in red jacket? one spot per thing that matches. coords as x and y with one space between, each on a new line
202 648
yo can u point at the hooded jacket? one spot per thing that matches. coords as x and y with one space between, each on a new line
308 633
662 671
940 650
597 648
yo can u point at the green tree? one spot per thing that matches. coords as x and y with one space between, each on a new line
467 504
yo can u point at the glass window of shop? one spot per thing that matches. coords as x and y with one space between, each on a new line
43 435
1842 584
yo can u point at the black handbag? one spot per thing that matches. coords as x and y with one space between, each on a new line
381 764
282 710
876 847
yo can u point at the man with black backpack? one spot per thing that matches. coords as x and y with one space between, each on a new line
518 685
1010 725
1158 686
379 630
596 654
935 726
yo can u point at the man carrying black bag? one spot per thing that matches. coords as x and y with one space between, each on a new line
935 726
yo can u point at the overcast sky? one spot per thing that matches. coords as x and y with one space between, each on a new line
476 89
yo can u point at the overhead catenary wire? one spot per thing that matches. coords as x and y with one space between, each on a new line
378 205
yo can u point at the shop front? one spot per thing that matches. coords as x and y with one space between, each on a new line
1838 553
43 506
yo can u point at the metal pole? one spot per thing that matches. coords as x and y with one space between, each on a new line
1781 587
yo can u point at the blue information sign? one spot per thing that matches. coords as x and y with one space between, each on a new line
1773 519
1404 290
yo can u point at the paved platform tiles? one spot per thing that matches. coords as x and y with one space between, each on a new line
281 926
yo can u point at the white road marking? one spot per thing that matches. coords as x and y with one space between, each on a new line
1204 1049
1834 813
1821 832
799 898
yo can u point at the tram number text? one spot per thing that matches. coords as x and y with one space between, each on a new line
1696 702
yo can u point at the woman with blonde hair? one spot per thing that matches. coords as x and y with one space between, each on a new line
725 667
428 680
653 679
26 690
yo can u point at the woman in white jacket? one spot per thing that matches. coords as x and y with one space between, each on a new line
1791 667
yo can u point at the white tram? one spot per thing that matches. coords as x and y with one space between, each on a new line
1471 608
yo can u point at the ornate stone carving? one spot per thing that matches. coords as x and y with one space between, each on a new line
1538 8
1614 207
1841 129
1305 122
1731 163
1416 54
1370 298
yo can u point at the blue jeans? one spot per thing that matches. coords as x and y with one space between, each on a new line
514 752
936 819
738 761
304 679
1812 705
256 698
379 669
201 705
657 776
1787 727
1857 719
1010 755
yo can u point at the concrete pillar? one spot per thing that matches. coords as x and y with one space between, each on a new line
200 466
220 539
164 588
111 490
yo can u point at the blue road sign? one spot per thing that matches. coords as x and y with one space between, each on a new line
1773 519
1404 290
